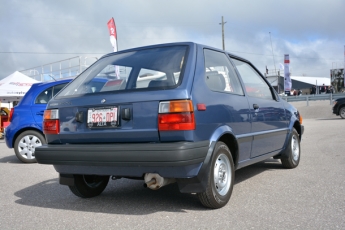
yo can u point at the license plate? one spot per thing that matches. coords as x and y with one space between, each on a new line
102 117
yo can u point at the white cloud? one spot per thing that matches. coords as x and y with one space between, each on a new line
310 31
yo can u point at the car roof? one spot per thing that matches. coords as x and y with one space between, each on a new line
46 83
173 44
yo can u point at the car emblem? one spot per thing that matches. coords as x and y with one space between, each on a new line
103 100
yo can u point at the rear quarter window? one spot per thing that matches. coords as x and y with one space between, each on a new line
220 74
48 94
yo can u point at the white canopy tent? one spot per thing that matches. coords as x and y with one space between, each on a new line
14 87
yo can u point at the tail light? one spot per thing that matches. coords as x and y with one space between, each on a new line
176 115
11 115
51 123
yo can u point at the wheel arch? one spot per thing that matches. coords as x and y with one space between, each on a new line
199 183
226 135
297 126
340 107
23 130
231 142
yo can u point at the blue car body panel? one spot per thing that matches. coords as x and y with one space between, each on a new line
27 114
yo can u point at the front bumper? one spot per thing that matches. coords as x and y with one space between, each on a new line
174 160
335 110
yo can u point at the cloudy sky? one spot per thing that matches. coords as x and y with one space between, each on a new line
34 32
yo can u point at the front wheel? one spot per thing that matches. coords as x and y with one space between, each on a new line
293 150
221 178
25 144
87 186
342 112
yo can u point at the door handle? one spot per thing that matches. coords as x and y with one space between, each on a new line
40 113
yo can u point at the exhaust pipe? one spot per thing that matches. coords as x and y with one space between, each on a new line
154 181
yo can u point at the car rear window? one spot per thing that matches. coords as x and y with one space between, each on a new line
156 68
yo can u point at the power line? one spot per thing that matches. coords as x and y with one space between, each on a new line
233 51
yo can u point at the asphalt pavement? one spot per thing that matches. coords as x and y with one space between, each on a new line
265 195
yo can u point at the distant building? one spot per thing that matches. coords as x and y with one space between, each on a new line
303 83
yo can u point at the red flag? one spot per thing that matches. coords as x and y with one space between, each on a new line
112 32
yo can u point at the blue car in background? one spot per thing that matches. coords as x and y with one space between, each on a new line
24 133
180 113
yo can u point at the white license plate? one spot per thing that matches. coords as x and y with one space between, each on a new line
102 117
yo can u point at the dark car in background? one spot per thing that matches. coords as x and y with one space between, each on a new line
180 113
25 133
339 107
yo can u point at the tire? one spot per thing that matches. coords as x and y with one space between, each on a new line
221 178
342 112
25 144
293 150
87 186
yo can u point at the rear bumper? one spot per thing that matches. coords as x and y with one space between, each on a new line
175 160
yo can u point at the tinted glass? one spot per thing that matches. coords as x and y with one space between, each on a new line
47 94
157 68
44 96
57 88
220 74
255 85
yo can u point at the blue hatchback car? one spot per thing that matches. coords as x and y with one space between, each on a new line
180 113
25 133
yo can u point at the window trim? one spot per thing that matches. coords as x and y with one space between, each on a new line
239 80
273 93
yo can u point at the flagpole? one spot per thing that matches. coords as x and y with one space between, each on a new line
117 45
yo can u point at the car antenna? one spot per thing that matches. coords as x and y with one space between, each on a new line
52 77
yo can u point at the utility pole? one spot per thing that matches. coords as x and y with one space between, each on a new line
222 23
275 70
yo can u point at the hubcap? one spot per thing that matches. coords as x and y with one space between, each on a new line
295 148
27 145
222 174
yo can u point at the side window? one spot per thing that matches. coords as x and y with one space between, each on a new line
57 88
255 85
48 94
219 73
44 96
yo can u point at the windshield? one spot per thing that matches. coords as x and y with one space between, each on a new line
156 68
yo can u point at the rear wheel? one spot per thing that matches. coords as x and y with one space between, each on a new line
25 144
87 186
294 152
221 178
342 112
